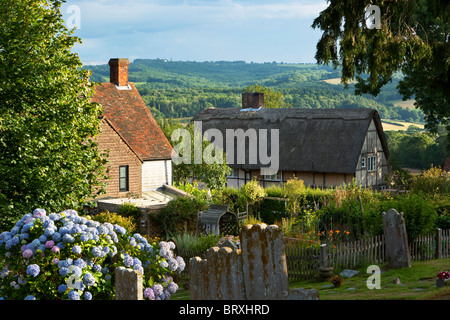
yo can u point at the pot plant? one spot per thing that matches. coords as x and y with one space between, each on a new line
442 278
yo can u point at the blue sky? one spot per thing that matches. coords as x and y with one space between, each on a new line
196 30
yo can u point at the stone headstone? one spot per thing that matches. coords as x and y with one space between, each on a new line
128 284
396 240
230 244
264 262
302 294
348 273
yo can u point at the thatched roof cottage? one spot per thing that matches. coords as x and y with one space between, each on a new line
323 147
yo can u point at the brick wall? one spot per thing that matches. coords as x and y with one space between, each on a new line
120 154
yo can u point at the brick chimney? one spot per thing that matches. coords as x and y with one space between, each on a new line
252 100
118 71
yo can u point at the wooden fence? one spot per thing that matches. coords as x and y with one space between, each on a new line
303 263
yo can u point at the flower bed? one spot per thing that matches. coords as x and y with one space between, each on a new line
67 256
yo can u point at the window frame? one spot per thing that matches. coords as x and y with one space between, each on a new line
270 177
372 163
363 162
125 178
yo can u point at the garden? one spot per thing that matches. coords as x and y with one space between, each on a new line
70 255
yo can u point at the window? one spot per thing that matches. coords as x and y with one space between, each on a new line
372 163
123 178
234 173
274 177
363 162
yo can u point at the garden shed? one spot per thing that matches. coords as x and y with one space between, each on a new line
218 219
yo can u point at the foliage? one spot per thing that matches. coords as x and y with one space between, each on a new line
181 210
412 39
433 181
130 210
212 170
113 218
67 256
252 192
48 153
200 243
180 89
420 150
337 280
294 191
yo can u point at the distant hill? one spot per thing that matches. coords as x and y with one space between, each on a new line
183 88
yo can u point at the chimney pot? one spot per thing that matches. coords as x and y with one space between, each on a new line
252 100
118 71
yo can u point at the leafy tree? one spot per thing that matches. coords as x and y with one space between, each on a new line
272 98
212 173
48 156
413 39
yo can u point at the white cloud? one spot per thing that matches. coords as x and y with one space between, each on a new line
196 29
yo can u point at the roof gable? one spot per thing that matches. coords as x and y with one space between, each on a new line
321 140
132 119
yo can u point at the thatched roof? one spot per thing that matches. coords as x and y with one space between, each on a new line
320 140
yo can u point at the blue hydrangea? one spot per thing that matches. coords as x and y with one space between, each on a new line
149 294
62 288
157 289
33 270
67 238
173 264
88 279
56 237
172 287
181 264
30 297
80 263
128 261
97 267
63 271
76 249
49 232
87 295
96 251
74 295
76 271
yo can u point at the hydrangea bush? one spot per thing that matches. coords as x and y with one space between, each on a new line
68 256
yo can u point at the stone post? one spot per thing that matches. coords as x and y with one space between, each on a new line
129 284
397 249
438 243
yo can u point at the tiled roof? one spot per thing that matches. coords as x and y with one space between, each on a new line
129 115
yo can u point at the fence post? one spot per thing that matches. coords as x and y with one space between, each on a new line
438 243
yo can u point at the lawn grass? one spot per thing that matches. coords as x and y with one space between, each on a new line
416 283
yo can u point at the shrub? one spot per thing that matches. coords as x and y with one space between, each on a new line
127 222
433 181
181 210
129 210
67 256
419 214
196 243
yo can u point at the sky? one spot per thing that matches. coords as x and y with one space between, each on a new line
195 30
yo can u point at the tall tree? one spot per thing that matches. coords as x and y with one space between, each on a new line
48 156
413 39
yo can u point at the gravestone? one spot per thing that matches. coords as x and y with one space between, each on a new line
396 240
257 271
129 284
264 262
